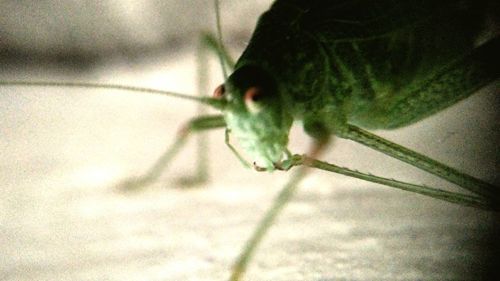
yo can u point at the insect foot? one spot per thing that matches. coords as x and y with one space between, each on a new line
133 184
191 181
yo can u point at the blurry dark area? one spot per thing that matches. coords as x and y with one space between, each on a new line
81 33
85 59
491 250
78 33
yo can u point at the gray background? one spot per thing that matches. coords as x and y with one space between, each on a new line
63 151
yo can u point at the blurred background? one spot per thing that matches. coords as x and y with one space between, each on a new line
64 151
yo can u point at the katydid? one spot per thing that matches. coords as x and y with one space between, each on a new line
342 68
377 65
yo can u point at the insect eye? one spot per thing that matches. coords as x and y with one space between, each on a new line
253 96
219 92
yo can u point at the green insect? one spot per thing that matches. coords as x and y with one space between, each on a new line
352 64
342 67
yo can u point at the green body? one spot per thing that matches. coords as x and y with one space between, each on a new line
374 64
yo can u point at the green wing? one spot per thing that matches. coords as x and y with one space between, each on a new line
378 64
395 62
454 82
403 60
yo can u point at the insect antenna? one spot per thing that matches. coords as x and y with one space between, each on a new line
220 44
216 103
216 43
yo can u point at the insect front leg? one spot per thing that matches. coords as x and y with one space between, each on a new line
208 43
280 201
198 124
322 136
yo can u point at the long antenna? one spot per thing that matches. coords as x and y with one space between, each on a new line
216 103
219 38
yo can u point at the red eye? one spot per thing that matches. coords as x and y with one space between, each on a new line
252 95
219 92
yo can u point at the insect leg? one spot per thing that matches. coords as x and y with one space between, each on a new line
477 186
453 197
195 125
235 152
201 174
210 42
267 221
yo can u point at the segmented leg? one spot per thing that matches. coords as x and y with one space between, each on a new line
197 124
208 42
309 162
425 163
202 67
455 82
279 202
453 197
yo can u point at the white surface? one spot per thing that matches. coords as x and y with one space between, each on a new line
63 152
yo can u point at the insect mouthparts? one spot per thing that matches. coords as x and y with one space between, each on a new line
258 168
